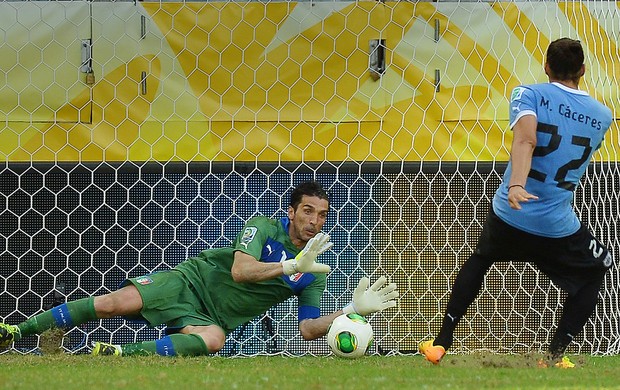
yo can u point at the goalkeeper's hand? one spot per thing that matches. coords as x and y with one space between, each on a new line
305 261
370 300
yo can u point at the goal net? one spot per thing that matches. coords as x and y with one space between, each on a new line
136 134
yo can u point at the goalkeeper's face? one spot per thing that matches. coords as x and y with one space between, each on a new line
307 219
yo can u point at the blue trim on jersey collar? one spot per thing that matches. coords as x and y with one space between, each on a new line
285 223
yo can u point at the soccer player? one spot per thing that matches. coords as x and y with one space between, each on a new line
206 297
556 130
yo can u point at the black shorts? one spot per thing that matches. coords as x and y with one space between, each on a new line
570 262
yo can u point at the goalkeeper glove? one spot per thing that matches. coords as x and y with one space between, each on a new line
305 261
376 298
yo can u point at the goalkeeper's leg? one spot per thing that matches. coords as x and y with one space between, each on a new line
464 291
63 316
208 340
125 301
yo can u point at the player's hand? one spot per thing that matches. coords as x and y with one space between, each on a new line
518 194
381 295
305 261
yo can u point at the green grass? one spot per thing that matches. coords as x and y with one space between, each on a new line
300 373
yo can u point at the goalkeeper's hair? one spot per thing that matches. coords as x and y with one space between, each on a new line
565 59
307 188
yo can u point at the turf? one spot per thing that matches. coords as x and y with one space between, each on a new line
60 371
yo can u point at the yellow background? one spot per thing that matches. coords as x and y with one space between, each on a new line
290 81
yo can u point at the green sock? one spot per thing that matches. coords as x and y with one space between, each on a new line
64 316
174 345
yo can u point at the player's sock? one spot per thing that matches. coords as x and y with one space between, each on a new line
559 343
464 290
65 316
578 307
446 333
173 345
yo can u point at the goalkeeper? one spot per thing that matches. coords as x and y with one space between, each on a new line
556 130
206 297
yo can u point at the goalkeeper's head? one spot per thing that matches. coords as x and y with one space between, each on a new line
565 60
307 211
307 188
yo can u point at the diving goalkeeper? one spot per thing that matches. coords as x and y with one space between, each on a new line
556 130
206 297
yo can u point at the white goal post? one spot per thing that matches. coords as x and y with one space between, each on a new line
136 134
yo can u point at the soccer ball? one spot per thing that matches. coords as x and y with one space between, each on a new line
350 336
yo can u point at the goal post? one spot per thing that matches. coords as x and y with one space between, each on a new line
164 126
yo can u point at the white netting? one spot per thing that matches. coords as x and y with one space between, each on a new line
137 134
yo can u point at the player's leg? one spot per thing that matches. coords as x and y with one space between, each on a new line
71 314
464 291
125 301
577 309
496 241
63 316
190 341
580 303
74 313
167 298
578 265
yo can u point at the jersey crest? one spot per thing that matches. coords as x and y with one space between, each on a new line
144 280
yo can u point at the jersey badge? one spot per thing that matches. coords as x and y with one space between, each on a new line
248 236
516 94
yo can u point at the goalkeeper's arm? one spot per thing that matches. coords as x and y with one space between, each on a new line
313 328
247 269
366 300
305 261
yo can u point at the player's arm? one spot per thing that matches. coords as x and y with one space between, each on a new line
246 269
313 328
523 144
367 299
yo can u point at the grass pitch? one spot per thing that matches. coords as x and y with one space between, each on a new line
60 371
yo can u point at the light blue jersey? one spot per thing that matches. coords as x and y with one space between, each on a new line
571 127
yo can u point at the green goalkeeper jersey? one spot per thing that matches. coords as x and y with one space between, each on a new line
230 303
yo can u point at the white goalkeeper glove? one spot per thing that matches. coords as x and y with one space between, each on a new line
305 261
376 298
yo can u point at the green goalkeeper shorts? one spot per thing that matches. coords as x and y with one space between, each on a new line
168 299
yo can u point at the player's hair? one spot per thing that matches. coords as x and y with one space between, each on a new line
308 188
565 59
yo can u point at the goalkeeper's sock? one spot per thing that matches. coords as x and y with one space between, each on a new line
64 316
174 345
445 336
